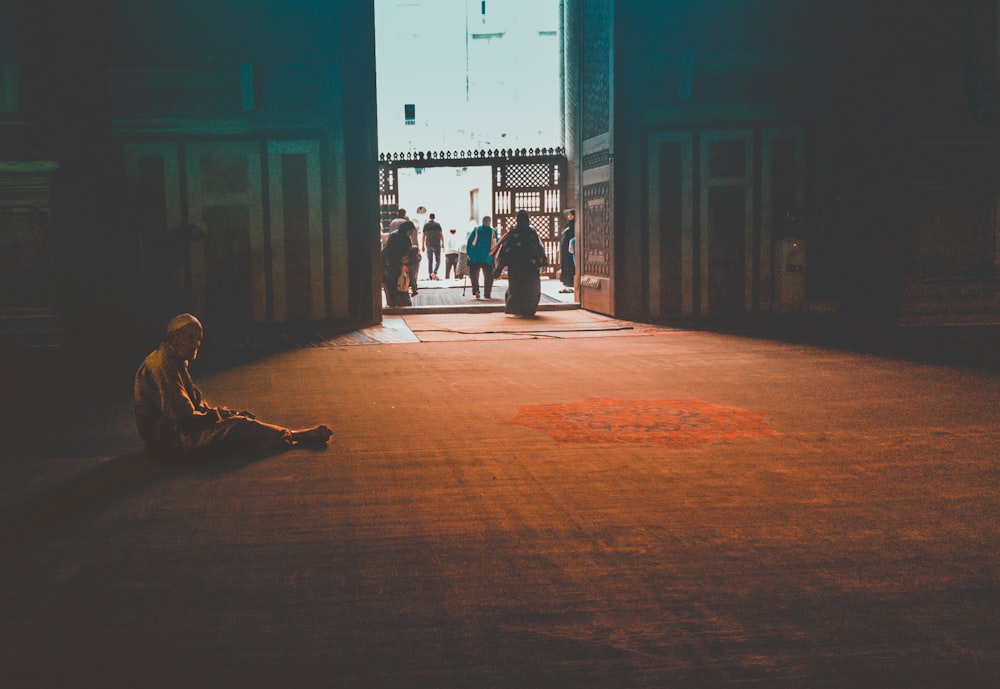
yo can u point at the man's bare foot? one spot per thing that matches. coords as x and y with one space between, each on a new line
318 434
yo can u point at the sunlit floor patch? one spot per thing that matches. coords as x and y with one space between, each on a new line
390 331
674 423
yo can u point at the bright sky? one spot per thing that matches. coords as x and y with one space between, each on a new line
480 74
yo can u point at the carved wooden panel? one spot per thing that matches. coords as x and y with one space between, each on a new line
296 231
224 197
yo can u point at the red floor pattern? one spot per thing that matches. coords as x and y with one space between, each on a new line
674 423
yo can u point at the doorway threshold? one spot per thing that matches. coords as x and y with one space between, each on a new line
496 307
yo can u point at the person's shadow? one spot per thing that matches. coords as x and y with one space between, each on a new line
29 524
39 516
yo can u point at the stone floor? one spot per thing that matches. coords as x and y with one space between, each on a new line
564 501
437 296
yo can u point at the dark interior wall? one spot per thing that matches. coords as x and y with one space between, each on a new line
62 62
313 62
749 65
313 78
729 24
895 97
912 105
62 57
152 32
296 50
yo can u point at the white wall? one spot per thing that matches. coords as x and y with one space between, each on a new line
470 93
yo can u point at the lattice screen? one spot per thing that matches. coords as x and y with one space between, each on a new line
596 67
388 193
596 218
536 187
530 175
530 179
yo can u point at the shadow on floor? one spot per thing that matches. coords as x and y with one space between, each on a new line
970 347
31 522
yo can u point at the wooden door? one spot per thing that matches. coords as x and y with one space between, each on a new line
726 222
228 281
671 224
595 226
164 238
296 231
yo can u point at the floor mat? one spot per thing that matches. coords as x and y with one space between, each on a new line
449 327
545 324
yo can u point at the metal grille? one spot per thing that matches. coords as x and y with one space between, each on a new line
597 250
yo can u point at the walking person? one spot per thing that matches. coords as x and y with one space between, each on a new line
481 241
566 258
522 254
396 221
174 420
414 257
432 241
400 218
396 256
453 245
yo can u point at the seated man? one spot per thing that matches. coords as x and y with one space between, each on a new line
174 420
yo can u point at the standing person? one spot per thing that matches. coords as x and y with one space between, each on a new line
568 265
453 245
414 258
394 224
173 418
432 241
478 246
522 254
396 256
400 218
412 263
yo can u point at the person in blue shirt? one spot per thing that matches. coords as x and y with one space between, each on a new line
477 247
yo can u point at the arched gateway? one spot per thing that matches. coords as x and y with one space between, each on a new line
530 178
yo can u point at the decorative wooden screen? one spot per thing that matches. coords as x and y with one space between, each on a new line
536 187
530 178
388 192
595 229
